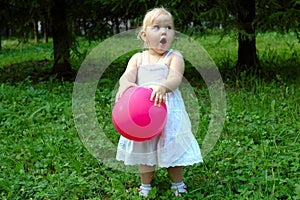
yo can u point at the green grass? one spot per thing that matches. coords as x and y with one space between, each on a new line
276 52
14 51
256 157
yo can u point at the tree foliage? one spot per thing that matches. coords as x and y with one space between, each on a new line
249 17
98 19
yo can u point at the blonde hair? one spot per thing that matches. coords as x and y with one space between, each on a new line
151 15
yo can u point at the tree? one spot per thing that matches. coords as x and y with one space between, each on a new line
121 11
282 16
245 17
248 16
247 56
62 38
4 16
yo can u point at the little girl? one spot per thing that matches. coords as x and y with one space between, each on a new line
161 69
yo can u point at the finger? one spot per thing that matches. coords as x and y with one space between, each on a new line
156 102
164 98
153 94
158 99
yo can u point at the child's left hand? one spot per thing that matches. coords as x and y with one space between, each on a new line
158 94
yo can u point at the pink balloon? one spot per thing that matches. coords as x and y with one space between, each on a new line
135 116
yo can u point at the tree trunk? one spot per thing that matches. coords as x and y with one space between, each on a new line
25 37
36 31
61 39
247 57
45 31
117 24
7 33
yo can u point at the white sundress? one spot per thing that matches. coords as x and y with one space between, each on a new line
176 145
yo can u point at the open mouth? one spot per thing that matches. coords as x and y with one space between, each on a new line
163 41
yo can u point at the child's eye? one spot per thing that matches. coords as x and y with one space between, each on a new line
155 27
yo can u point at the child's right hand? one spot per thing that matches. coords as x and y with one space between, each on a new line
158 94
122 89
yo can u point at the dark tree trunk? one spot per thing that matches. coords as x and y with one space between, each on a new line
45 31
61 39
25 37
7 33
117 24
247 57
36 31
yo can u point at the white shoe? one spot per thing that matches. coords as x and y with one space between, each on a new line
144 190
179 189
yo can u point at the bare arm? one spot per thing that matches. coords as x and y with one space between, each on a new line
128 79
173 80
175 72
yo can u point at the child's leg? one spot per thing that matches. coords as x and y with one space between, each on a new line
146 173
176 175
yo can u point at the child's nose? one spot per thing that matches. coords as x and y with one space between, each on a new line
164 31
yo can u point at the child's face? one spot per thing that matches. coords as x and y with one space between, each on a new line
159 35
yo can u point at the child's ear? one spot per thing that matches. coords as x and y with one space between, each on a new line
143 35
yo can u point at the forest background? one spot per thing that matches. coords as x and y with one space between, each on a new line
254 44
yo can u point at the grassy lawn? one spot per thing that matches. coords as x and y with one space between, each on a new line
256 157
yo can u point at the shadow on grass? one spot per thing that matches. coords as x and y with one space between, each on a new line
41 70
230 76
34 70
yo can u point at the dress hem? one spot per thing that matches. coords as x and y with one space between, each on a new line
164 166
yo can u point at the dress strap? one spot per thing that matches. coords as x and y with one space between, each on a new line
167 54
